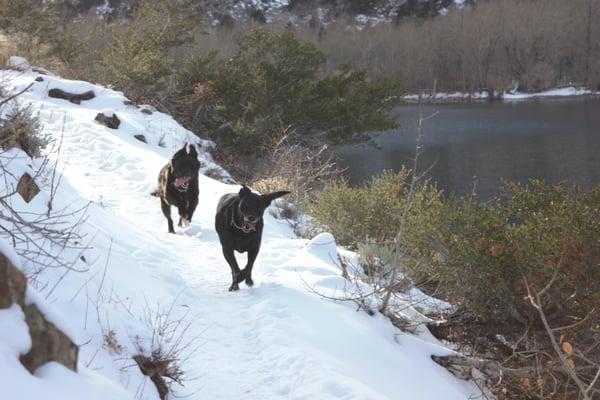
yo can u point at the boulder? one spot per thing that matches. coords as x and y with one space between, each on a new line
27 187
110 121
12 284
75 98
48 343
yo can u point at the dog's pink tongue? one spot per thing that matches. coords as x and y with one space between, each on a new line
250 226
181 181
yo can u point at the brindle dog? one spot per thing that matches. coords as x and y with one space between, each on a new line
178 186
239 223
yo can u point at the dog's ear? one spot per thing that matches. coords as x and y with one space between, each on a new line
269 197
193 151
181 152
244 191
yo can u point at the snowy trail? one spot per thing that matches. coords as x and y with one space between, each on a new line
273 341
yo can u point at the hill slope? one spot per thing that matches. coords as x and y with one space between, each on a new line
136 288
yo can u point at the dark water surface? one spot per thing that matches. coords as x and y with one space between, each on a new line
552 139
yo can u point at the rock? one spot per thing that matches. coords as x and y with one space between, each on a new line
111 121
128 102
48 343
140 137
12 284
27 187
75 98
147 109
42 71
217 175
39 79
155 369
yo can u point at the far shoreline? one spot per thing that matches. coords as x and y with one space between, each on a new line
485 96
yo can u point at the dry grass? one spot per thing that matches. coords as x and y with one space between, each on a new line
162 356
8 48
111 343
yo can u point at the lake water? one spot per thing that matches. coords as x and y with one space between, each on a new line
469 144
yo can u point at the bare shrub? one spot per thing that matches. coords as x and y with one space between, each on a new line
7 49
161 357
297 167
111 342
490 45
42 238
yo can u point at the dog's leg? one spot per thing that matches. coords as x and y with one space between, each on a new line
236 274
183 221
166 209
192 207
252 253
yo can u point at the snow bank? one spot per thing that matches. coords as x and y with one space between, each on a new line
52 380
508 95
562 92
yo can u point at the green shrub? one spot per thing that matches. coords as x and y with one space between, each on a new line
483 253
275 81
478 255
23 16
135 57
374 212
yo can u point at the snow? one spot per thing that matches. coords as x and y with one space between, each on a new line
8 251
561 92
446 96
12 320
104 9
277 340
18 63
508 95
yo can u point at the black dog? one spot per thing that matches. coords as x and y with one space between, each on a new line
239 223
178 186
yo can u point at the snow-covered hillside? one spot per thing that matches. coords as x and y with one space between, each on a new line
294 11
127 291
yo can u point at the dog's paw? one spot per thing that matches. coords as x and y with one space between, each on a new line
184 222
234 287
249 281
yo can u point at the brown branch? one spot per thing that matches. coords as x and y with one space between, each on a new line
536 303
9 98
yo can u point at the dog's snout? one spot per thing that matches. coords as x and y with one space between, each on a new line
251 218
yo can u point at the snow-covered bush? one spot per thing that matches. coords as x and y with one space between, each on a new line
21 128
